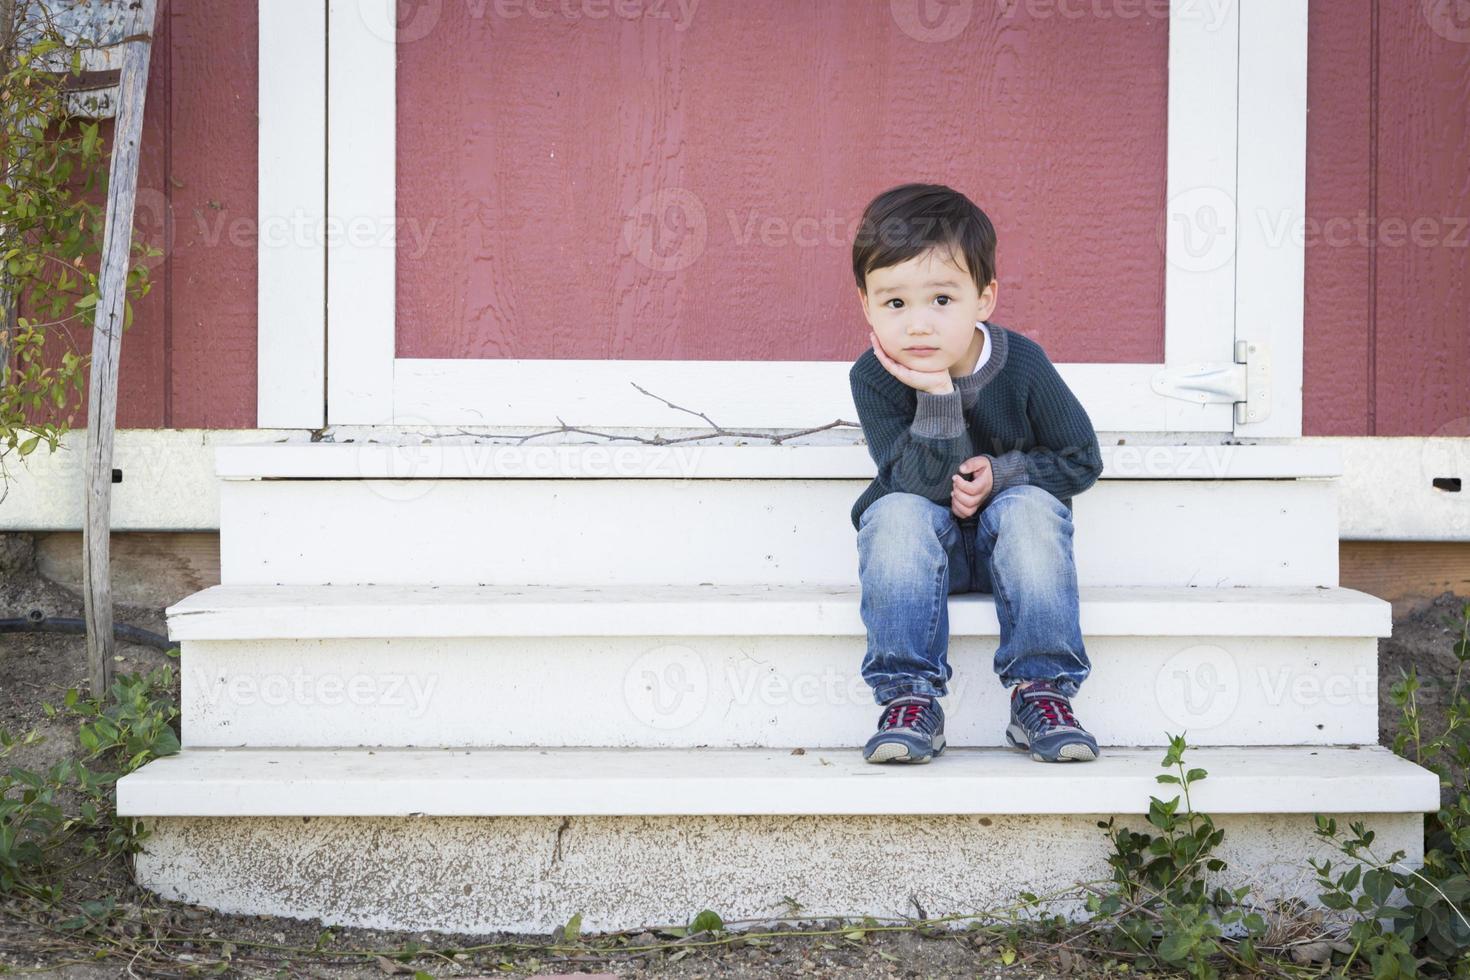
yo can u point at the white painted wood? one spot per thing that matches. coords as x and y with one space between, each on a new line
527 782
1271 194
791 686
1401 489
736 394
1387 490
168 481
1199 218
370 385
532 874
468 460
291 248
240 612
1207 533
362 215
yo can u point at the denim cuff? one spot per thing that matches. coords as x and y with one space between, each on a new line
1007 470
1067 685
939 416
911 685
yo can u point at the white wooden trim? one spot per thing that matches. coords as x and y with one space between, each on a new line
290 250
361 210
251 612
1271 200
1199 267
170 481
735 394
482 461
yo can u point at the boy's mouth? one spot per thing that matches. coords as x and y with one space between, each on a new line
921 350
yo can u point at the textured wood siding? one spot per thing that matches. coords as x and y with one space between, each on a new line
1388 140
527 145
529 148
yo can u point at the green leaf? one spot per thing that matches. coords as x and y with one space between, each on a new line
706 921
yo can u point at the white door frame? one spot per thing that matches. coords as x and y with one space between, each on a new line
1234 255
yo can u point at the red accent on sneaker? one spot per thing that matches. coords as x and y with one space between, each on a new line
903 712
1054 706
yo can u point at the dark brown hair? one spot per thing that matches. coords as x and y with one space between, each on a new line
910 219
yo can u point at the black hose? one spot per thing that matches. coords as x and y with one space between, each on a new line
36 621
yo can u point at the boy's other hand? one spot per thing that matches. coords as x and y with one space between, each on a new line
966 494
934 382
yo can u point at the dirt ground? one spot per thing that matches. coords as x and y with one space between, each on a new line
154 938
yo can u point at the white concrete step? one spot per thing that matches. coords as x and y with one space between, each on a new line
322 513
676 666
521 840
524 782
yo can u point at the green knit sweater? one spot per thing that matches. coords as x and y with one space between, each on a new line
1015 409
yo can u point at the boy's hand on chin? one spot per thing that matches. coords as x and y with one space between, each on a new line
966 494
934 382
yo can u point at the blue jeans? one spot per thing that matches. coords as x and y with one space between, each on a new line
914 553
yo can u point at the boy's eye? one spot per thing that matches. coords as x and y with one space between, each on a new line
942 296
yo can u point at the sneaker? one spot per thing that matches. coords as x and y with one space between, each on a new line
1042 722
911 729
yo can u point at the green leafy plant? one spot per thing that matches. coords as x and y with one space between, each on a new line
36 830
1412 920
1161 904
53 164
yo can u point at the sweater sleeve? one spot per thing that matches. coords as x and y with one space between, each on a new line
1067 459
917 454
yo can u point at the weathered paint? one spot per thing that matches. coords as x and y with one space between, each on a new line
532 874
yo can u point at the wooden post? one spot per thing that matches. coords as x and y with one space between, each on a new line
117 240
8 301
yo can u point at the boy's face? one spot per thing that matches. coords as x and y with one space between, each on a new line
930 302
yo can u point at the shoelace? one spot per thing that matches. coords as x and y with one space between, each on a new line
1054 708
904 713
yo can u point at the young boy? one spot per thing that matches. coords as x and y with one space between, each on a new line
980 447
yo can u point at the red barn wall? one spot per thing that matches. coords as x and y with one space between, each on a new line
1387 313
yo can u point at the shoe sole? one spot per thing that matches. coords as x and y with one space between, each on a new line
1069 752
899 752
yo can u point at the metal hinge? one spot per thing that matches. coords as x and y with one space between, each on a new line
1246 383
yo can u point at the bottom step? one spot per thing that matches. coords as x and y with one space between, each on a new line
479 840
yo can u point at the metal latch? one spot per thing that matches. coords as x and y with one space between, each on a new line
1246 383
